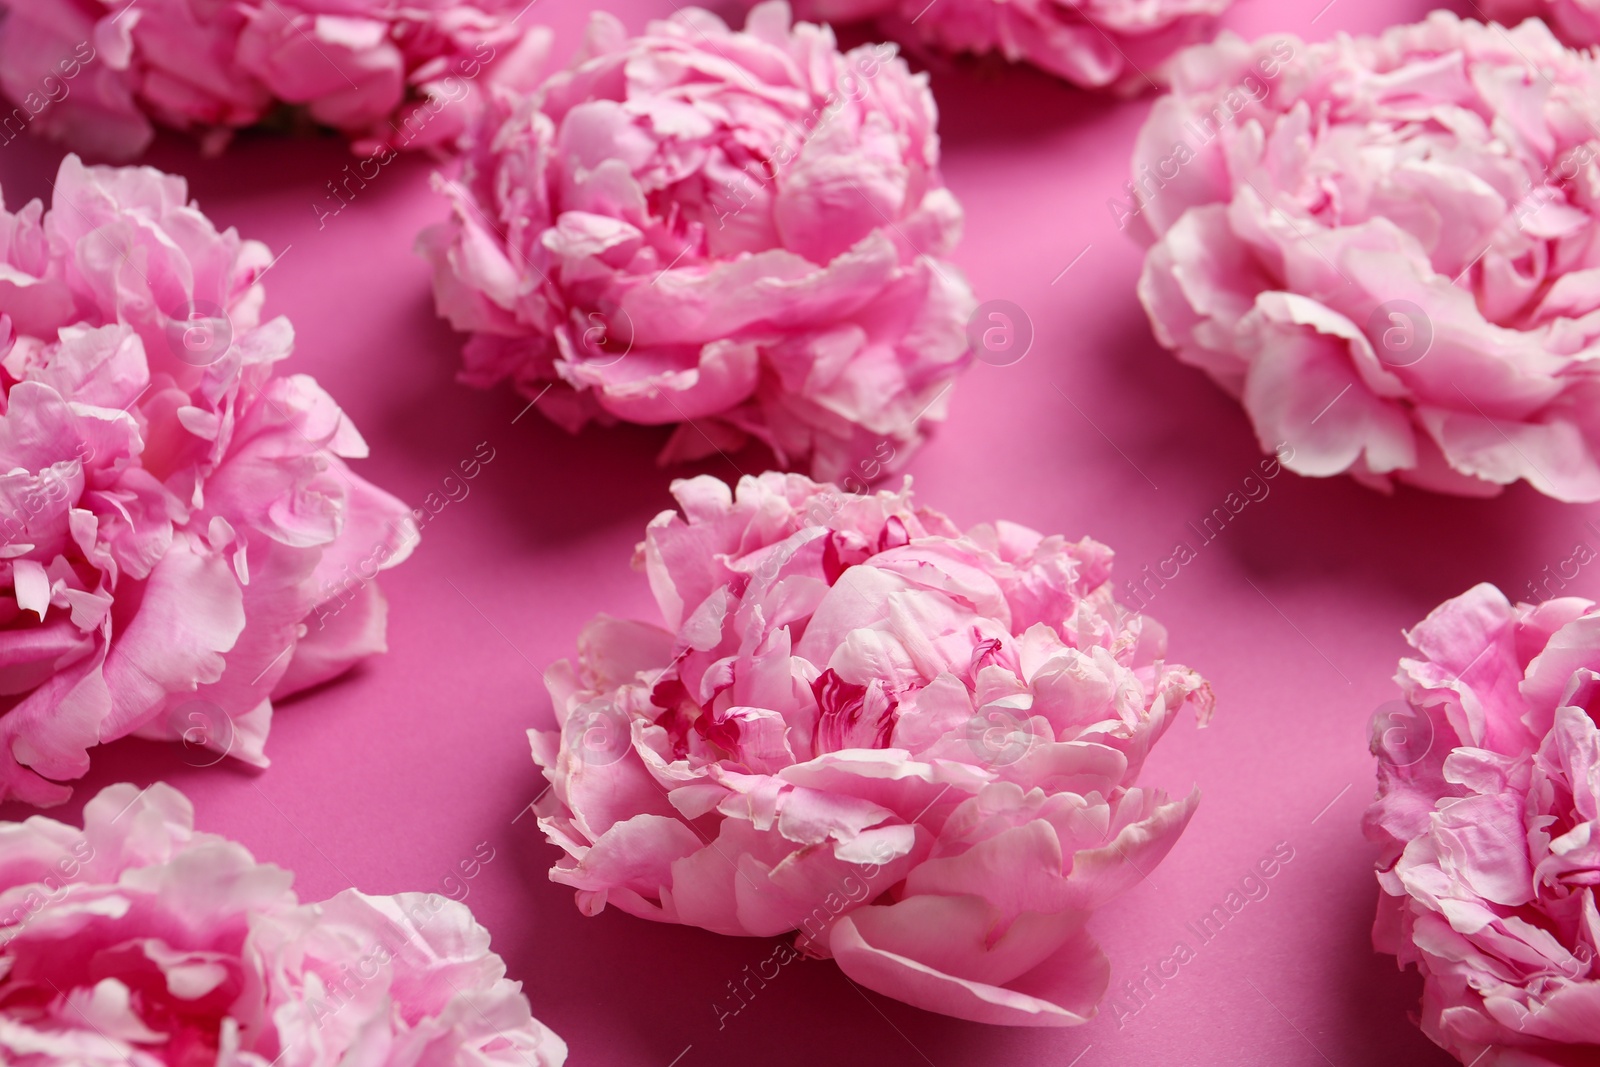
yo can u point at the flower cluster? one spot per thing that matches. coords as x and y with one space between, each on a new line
1386 247
172 513
917 747
139 942
736 232
1096 44
102 74
1488 813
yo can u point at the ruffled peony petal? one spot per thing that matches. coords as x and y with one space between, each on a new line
1487 812
1379 245
1065 988
142 941
694 226
174 513
1111 44
386 77
915 748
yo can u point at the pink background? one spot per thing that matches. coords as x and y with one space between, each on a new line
391 777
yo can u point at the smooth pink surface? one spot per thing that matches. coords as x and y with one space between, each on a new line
389 778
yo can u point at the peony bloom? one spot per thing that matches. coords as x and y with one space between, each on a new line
101 74
1096 44
1387 249
1577 22
180 539
737 232
916 747
139 942
1488 812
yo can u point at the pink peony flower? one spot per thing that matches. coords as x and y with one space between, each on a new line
1096 44
138 942
1387 249
737 232
1487 811
1577 22
180 539
916 747
100 74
